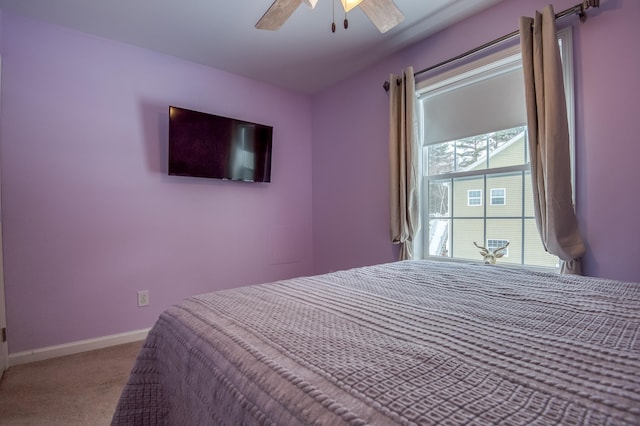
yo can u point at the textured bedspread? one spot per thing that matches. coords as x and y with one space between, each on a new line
412 342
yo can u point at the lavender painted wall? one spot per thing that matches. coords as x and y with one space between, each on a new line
350 134
89 214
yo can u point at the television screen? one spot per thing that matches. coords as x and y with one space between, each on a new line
210 146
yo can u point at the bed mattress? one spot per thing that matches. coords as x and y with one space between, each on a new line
411 342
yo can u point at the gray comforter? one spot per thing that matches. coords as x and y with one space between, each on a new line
413 342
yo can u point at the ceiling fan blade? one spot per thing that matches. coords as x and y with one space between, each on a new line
277 14
383 13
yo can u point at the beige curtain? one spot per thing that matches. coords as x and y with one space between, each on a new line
549 140
403 156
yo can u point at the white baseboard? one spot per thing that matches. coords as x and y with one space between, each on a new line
76 347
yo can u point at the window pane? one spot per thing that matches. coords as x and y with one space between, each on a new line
535 253
505 195
471 153
465 232
507 230
528 195
440 158
462 188
438 198
439 237
507 148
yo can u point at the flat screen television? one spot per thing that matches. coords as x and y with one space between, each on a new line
211 146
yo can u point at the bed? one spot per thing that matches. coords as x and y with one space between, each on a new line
410 342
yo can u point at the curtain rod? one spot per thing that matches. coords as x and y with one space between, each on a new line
578 9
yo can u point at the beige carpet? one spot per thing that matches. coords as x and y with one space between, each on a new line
80 389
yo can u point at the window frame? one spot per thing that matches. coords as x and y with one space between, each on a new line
483 66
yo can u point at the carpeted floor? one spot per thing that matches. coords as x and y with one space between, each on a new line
80 389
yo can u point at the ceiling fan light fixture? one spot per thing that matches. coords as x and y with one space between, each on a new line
349 4
384 14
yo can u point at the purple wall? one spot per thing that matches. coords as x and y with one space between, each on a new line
350 139
89 214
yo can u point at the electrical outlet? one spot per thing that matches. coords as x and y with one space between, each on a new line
143 298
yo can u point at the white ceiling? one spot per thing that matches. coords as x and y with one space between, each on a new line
304 55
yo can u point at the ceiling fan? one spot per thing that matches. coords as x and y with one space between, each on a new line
383 13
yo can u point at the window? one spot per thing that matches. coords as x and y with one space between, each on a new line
496 244
498 196
474 142
474 197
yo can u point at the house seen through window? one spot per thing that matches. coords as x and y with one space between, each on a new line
476 185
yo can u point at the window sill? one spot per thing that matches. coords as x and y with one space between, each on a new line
501 264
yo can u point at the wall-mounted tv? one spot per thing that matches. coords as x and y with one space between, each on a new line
211 146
